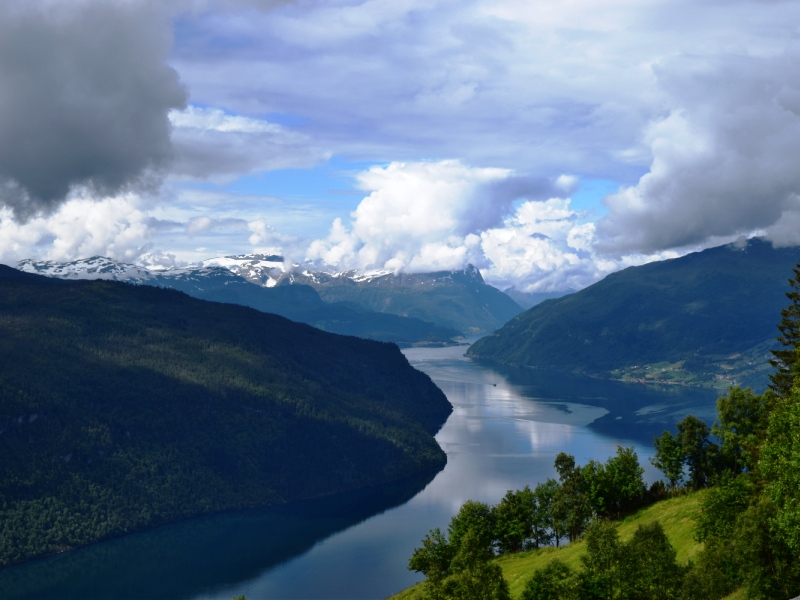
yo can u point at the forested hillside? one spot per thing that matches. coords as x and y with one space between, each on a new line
124 406
458 300
707 318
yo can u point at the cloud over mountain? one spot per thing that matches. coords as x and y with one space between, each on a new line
442 215
455 119
724 157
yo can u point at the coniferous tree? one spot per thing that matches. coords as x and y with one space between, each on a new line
789 327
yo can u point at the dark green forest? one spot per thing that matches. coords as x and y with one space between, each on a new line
707 318
124 407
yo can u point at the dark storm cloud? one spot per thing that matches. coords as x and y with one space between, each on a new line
84 96
530 188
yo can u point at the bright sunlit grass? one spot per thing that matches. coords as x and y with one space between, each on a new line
676 515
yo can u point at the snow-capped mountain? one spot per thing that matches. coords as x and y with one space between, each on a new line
218 280
269 270
96 267
456 300
101 267
261 269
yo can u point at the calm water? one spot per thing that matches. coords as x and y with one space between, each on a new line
505 431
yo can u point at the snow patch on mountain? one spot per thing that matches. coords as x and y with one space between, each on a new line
262 269
96 267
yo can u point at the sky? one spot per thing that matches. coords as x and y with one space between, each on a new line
548 143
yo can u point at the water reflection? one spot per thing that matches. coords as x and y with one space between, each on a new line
187 559
504 433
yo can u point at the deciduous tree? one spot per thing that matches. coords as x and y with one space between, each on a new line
699 451
477 516
669 458
514 520
571 507
556 581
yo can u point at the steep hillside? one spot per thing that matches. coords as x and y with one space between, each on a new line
530 299
459 300
125 406
707 318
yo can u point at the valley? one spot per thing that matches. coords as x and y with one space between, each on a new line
508 419
505 429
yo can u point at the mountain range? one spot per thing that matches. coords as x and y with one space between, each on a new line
707 318
402 308
460 300
220 284
126 406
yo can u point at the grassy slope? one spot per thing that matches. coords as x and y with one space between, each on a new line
676 516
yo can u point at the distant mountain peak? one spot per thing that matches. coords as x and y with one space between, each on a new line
94 267
472 272
263 269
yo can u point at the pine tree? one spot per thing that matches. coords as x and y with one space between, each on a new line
789 327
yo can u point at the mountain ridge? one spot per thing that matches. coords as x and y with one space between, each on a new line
219 283
702 319
451 303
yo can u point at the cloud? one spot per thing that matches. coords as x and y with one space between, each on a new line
539 87
204 225
212 145
424 216
432 216
724 157
84 95
404 80
82 227
265 240
543 246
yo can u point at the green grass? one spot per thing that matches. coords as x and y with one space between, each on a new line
676 516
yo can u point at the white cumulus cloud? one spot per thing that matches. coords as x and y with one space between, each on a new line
115 227
444 215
